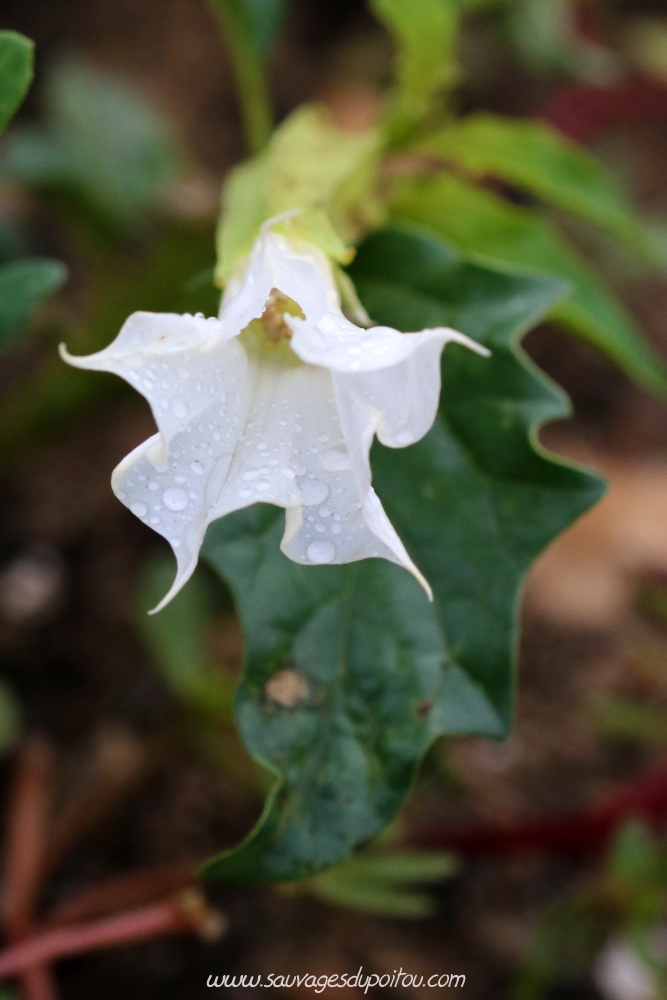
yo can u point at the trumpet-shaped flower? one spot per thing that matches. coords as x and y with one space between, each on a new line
276 401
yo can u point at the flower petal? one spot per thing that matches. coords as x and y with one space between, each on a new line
199 389
341 346
293 453
274 264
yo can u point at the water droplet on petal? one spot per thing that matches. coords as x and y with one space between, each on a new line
139 508
300 469
322 551
250 474
179 408
336 529
263 485
153 486
405 437
197 467
335 460
313 491
175 498
244 494
287 473
324 511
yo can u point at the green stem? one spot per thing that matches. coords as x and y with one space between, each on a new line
249 76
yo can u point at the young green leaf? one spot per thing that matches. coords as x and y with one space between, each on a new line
16 59
23 285
308 166
351 673
480 223
385 884
537 158
424 32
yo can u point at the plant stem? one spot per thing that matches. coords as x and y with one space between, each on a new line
173 916
249 75
28 820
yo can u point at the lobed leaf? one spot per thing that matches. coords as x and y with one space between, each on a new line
539 159
376 672
16 72
480 223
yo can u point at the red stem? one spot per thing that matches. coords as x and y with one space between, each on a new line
137 925
582 832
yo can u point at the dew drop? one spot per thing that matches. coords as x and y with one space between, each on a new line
197 467
155 520
335 460
175 498
320 527
324 511
179 408
336 529
300 469
153 486
264 485
139 508
313 491
287 473
250 475
244 494
322 551
182 371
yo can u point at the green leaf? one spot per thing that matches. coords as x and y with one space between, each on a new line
537 158
176 640
376 671
23 285
384 884
310 165
424 32
102 139
16 70
480 223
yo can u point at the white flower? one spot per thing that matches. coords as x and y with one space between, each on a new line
265 405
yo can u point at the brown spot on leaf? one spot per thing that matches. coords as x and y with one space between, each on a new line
287 688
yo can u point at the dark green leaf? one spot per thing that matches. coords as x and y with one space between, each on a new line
376 671
534 156
480 223
23 285
16 56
